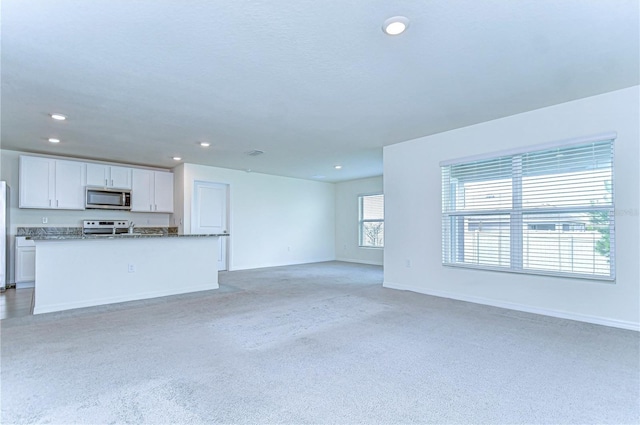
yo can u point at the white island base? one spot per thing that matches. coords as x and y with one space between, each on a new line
73 273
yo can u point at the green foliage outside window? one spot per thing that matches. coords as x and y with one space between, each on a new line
600 222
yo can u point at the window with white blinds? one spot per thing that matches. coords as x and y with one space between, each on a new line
545 211
371 222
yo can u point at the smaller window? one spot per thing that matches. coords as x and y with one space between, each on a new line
371 222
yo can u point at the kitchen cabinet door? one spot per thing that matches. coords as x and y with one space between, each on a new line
141 190
120 177
108 176
97 174
25 260
151 191
49 183
163 192
69 185
37 182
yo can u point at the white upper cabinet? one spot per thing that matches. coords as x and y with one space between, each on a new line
163 191
36 182
51 183
108 176
120 177
152 191
69 185
97 175
141 190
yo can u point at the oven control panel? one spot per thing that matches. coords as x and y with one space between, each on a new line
97 227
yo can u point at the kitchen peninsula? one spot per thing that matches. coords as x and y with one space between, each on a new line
76 270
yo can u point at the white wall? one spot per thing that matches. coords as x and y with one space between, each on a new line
273 221
28 217
413 213
347 248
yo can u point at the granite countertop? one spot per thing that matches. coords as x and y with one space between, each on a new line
75 233
61 237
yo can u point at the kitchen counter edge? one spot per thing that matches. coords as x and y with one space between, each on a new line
122 236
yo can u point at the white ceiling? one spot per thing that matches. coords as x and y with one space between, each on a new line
311 83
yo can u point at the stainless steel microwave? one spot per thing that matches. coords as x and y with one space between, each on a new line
107 199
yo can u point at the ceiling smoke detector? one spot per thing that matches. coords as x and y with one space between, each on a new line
255 152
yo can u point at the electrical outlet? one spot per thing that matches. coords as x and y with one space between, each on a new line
408 264
45 220
288 248
131 268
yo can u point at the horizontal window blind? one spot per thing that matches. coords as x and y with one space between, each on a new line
371 223
372 207
547 211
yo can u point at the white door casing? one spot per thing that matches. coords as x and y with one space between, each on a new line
209 214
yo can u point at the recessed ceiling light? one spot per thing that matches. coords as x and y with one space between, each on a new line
52 140
395 25
255 152
58 117
338 167
177 158
205 144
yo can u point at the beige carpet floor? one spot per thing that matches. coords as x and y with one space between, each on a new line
317 343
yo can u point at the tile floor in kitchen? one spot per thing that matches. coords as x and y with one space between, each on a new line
15 302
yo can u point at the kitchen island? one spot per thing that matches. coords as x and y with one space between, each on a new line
74 271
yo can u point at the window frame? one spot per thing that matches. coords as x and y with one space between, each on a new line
361 221
451 237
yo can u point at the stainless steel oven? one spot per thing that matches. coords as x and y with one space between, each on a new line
105 227
107 199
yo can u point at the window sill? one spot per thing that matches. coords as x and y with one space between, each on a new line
595 279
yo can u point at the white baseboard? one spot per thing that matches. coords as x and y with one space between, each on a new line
622 324
22 285
351 260
270 265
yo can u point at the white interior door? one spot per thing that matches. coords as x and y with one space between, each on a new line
209 214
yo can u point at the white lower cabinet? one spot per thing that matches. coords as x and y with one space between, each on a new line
25 262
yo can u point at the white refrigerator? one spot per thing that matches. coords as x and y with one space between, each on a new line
4 235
